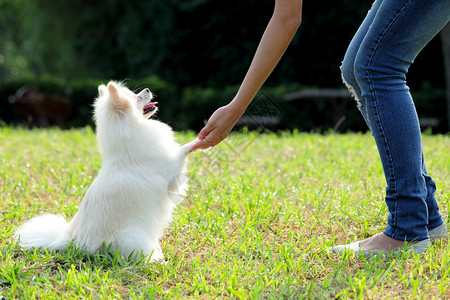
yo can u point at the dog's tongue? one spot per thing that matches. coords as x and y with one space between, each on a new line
149 107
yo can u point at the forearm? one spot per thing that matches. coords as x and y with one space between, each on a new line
274 42
276 38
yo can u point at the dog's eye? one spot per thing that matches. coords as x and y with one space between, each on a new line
139 98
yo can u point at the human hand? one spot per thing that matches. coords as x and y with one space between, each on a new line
218 127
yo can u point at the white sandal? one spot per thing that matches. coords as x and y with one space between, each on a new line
439 232
417 247
435 234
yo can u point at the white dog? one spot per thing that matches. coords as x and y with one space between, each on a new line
141 180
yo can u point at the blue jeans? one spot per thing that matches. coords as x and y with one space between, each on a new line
374 69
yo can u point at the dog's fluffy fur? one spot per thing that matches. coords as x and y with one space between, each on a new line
130 202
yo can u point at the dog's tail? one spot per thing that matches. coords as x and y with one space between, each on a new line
46 231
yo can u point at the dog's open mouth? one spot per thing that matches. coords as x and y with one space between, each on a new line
151 106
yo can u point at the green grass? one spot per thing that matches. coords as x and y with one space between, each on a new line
260 214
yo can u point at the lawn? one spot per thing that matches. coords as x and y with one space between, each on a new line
260 214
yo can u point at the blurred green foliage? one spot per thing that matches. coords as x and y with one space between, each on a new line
186 42
198 50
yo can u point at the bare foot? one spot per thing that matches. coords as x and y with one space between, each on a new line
381 242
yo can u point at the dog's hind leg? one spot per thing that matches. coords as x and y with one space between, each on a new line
135 243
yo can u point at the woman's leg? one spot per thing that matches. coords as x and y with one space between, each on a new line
386 44
348 64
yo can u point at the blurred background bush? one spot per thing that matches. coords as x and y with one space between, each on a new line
191 53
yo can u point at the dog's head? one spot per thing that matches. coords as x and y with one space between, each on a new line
119 99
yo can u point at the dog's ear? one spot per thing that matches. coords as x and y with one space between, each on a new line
118 102
112 89
102 90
